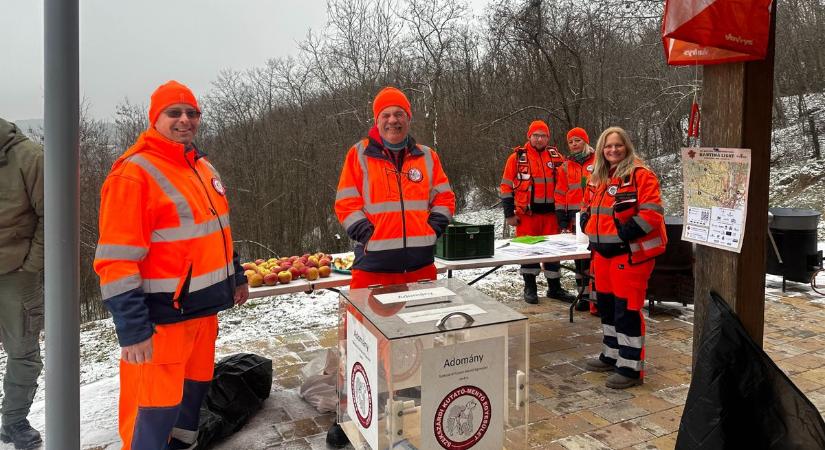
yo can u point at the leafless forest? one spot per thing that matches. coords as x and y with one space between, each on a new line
278 133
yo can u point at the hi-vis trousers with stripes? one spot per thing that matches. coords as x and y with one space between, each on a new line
620 296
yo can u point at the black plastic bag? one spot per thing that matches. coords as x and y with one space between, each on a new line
739 398
239 387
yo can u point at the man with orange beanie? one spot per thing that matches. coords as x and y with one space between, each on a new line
394 200
166 267
531 191
576 170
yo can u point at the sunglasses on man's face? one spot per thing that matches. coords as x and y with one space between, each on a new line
190 113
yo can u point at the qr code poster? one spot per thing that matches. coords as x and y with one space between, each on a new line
715 196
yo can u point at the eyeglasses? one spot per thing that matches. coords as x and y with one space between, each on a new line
175 113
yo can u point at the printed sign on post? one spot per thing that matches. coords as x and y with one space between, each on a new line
462 396
362 379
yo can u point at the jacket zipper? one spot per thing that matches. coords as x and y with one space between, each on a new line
230 279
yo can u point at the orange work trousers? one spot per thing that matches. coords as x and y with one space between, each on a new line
160 400
362 279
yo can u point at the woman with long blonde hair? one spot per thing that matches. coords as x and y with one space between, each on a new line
624 220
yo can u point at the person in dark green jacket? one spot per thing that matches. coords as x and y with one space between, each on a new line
21 294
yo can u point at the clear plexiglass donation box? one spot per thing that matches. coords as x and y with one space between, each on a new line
432 365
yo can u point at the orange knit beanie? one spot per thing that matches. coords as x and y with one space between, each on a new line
168 94
538 125
390 96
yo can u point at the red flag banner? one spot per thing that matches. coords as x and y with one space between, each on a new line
715 31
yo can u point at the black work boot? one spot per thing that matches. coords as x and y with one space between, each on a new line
554 290
21 434
336 436
531 291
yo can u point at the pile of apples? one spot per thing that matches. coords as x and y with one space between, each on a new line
283 270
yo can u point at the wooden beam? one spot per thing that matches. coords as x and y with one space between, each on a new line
737 106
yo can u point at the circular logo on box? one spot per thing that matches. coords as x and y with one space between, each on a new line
361 394
612 190
415 175
462 418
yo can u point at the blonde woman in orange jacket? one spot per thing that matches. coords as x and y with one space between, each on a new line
624 221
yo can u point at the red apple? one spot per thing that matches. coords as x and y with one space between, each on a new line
296 273
271 279
260 261
311 274
324 271
324 261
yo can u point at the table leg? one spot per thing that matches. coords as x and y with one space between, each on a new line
484 275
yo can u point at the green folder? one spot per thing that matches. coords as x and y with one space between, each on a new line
529 239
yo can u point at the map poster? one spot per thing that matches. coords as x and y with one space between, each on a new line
716 196
362 379
462 396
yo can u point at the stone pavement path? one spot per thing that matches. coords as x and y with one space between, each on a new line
571 408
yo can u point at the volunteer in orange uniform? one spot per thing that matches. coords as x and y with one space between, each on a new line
625 225
166 268
394 200
531 190
577 168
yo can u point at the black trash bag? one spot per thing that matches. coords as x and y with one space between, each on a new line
739 398
239 387
209 428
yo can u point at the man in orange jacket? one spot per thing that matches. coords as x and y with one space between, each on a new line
394 200
166 267
531 190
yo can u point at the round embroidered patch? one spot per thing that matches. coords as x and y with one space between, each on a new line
415 175
216 183
612 190
589 168
550 164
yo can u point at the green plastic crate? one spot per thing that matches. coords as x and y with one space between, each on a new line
465 241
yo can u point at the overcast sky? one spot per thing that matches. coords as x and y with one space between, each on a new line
127 48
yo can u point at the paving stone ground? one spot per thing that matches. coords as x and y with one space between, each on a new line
571 408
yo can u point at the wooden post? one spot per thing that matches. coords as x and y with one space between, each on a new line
737 113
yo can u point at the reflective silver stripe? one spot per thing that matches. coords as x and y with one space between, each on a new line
573 207
507 182
120 286
170 285
643 224
638 366
610 352
428 165
529 271
186 436
184 211
421 241
577 187
443 187
212 168
543 200
627 341
506 195
211 278
593 296
602 211
121 252
346 193
652 207
609 330
353 217
395 206
190 231
559 191
606 239
443 210
540 180
551 275
360 148
152 285
646 245
385 244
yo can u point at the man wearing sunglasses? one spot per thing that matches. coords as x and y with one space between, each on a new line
166 267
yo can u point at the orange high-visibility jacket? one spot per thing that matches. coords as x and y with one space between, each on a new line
394 216
577 169
531 182
626 216
165 253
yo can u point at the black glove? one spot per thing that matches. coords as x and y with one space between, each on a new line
583 218
629 231
563 219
